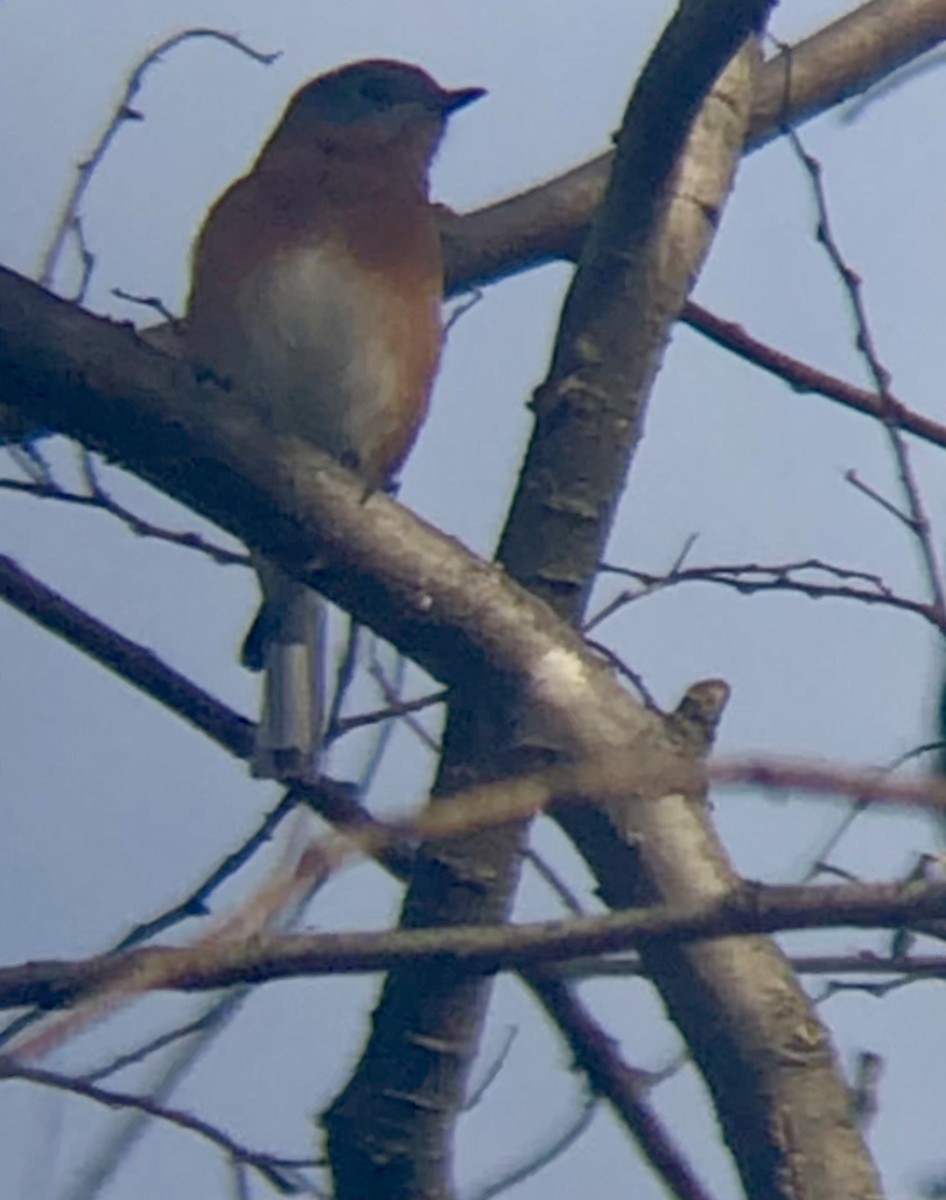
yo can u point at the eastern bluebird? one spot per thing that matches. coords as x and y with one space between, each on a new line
316 288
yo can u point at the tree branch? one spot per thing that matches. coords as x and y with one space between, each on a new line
269 1167
132 662
242 465
390 1130
609 1076
803 377
550 221
266 957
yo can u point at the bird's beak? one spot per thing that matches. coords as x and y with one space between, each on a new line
460 98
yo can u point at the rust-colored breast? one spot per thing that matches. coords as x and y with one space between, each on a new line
321 296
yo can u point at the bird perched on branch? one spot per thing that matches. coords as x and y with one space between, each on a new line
316 290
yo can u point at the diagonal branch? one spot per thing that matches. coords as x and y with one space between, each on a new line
69 221
550 221
390 1130
267 957
294 490
803 377
609 1076
274 1170
134 663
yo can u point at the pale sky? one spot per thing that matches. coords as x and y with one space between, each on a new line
112 809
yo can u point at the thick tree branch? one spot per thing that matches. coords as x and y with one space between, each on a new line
282 485
98 382
479 948
460 618
550 221
390 1130
645 255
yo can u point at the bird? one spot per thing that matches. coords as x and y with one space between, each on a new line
316 292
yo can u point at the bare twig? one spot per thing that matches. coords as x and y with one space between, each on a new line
69 221
749 578
891 509
344 676
793 775
86 258
461 308
123 1134
558 885
634 678
625 1088
803 377
390 712
195 904
269 1167
918 519
558 1142
132 1057
27 456
200 1035
491 1074
155 303
477 949
131 661
391 693
101 501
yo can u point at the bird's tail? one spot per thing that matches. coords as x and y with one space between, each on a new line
287 643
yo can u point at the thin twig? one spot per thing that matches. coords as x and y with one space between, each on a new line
123 1135
852 477
195 904
344 676
625 1088
491 1074
555 882
132 1057
126 658
675 568
390 712
392 689
812 779
461 308
101 501
634 678
155 303
28 458
86 258
748 578
803 377
556 1145
69 221
405 712
852 284
270 1167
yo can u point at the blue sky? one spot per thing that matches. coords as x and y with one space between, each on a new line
112 808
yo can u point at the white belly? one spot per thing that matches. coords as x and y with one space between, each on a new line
320 350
